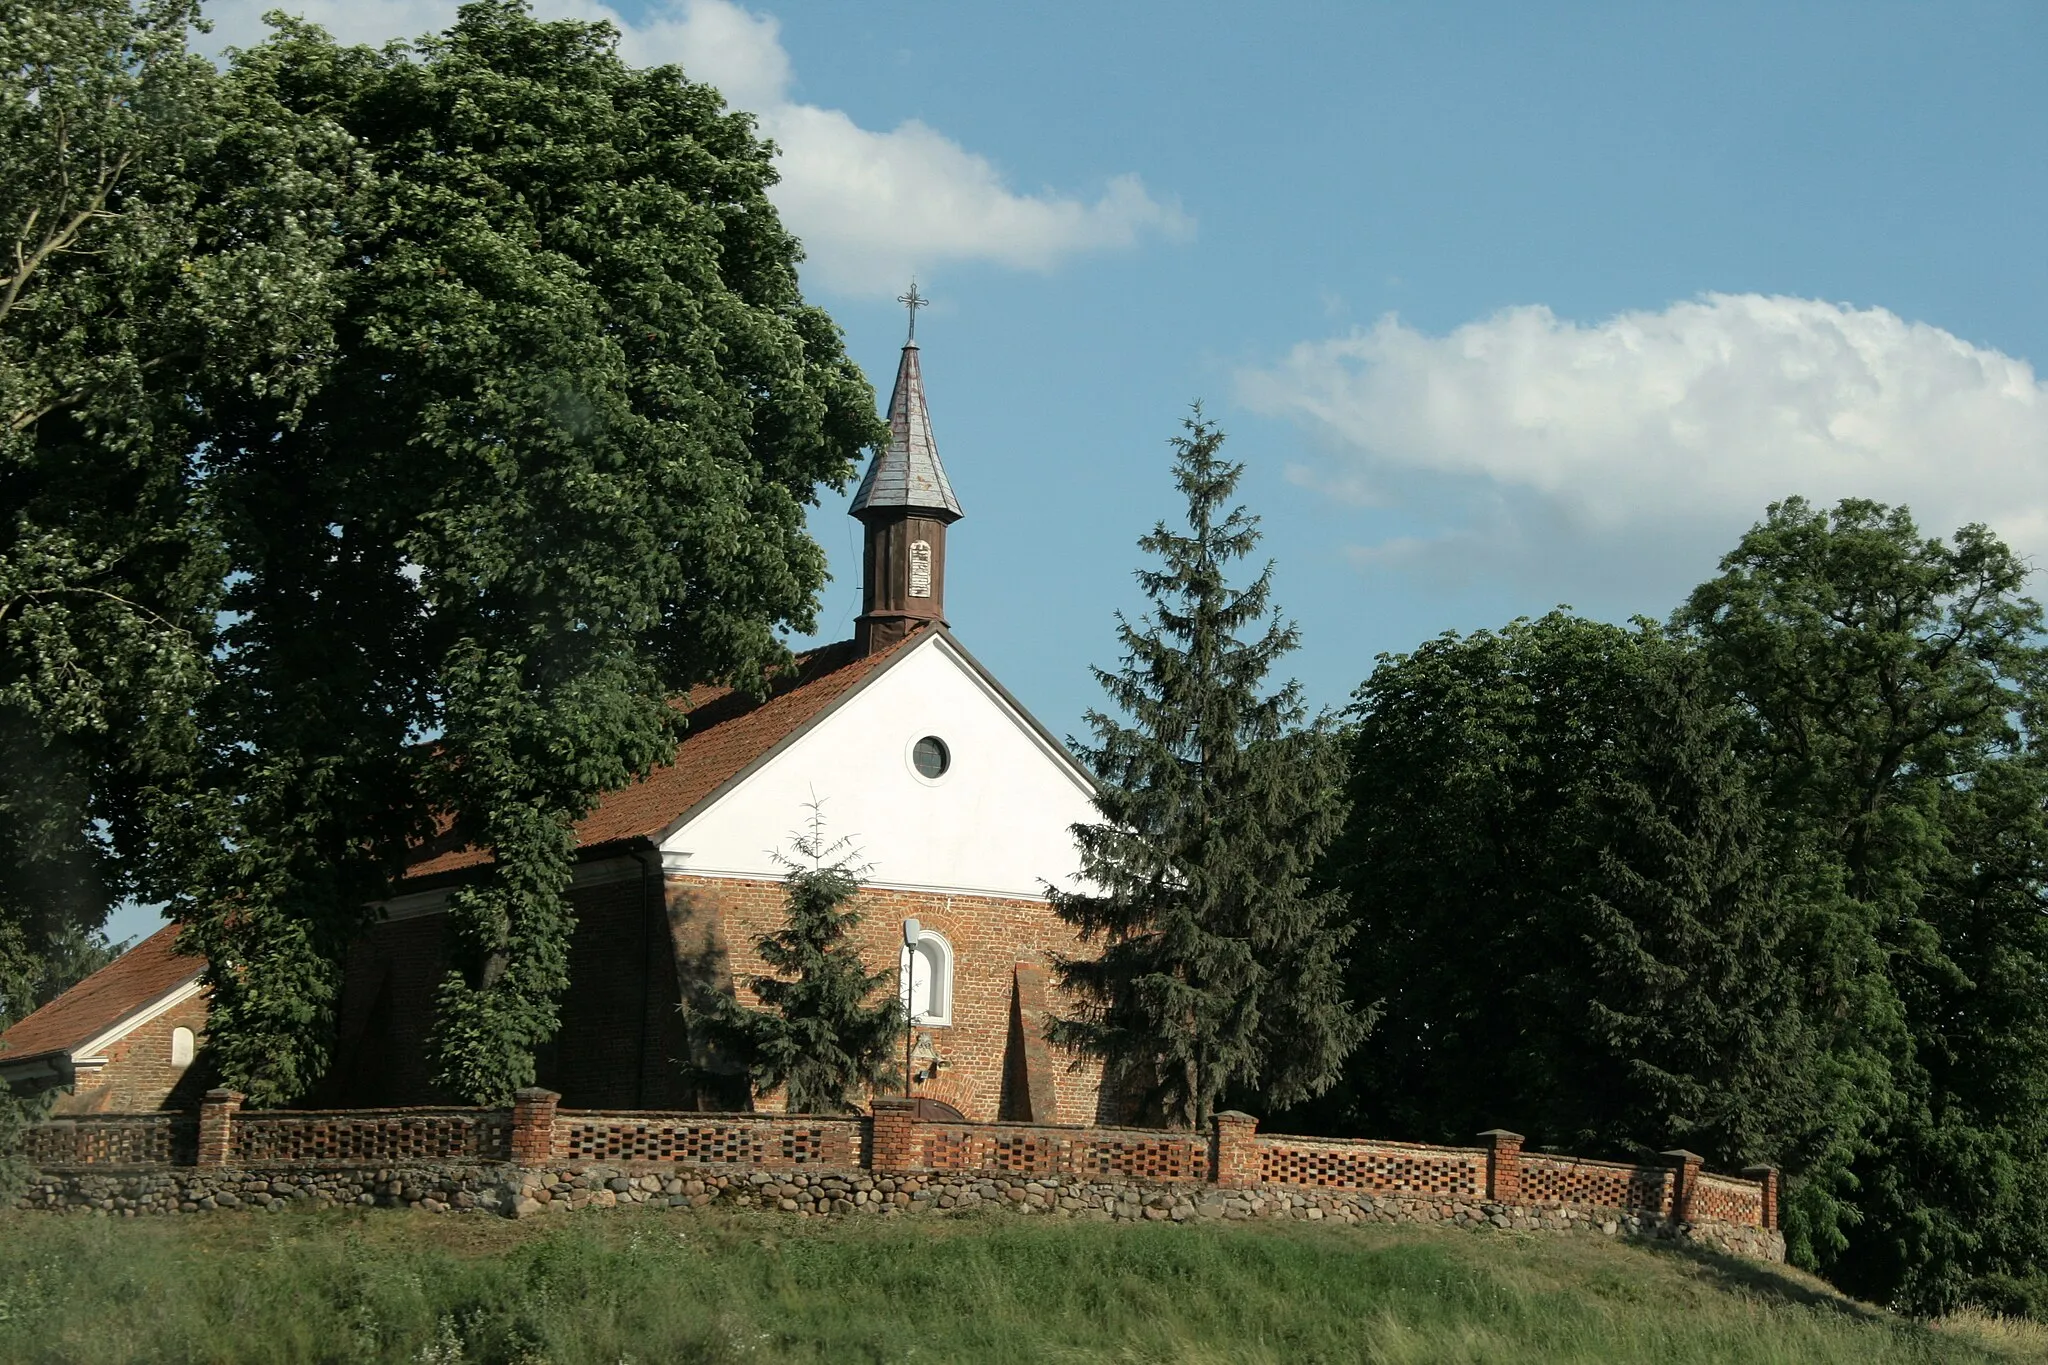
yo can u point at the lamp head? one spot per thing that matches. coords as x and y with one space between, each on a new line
912 930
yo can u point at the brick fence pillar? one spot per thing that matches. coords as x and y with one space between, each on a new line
1767 1177
217 1126
892 1144
1234 1152
533 1126
1688 1166
1503 1166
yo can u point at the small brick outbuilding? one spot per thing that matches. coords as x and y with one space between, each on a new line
124 1040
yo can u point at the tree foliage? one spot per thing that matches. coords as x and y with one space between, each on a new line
826 1029
554 473
1895 686
1768 882
120 280
1219 967
389 434
1572 903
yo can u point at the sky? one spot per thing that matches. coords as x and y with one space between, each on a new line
1502 306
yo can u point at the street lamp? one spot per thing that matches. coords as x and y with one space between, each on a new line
912 930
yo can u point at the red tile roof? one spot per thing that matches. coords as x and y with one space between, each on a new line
137 978
729 732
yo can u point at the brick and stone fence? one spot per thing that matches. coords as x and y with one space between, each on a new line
538 1157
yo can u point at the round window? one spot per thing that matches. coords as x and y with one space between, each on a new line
931 757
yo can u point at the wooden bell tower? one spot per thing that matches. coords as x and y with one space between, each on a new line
905 503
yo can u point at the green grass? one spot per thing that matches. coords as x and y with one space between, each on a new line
654 1287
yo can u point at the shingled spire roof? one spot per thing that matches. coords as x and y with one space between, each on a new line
907 474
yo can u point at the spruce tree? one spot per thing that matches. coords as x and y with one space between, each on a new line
822 1035
1218 968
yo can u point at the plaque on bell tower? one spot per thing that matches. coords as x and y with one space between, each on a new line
920 568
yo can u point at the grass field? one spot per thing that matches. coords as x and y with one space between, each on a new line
651 1287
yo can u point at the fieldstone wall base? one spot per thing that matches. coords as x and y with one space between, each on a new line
528 1192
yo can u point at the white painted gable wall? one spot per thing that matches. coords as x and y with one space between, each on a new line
995 824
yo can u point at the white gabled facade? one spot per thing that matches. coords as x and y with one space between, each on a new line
997 823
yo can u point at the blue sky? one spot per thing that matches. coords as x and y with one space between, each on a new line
1502 305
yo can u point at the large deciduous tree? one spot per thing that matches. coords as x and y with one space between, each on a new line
1573 904
384 437
1219 967
160 244
555 471
1895 685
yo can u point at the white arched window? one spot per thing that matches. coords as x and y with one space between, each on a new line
925 980
181 1047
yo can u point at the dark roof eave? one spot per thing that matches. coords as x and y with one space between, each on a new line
874 512
54 1061
459 876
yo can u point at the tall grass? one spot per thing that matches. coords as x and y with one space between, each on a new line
648 1287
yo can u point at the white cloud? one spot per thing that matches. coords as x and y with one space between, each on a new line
874 207
871 207
1643 445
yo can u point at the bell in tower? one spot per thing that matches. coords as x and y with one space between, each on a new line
906 504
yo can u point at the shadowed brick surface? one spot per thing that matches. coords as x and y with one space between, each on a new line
370 1137
770 1141
1594 1184
114 1140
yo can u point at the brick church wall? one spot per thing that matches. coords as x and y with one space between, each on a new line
989 935
623 1042
386 1015
621 1036
138 1076
640 950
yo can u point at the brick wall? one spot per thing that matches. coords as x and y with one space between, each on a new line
1719 1199
721 919
139 1076
1387 1167
621 1041
1596 1184
1085 1153
113 1140
640 951
765 1142
833 1163
285 1137
566 1187
385 1017
623 1044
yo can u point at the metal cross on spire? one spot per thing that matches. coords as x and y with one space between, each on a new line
913 301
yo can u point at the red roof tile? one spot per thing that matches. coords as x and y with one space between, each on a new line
137 978
729 731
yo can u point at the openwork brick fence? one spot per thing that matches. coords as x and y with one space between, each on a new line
113 1140
890 1159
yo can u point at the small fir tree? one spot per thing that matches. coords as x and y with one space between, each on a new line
823 1035
1220 967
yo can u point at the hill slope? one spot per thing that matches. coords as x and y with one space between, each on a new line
608 1287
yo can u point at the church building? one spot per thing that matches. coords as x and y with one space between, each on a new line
955 799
